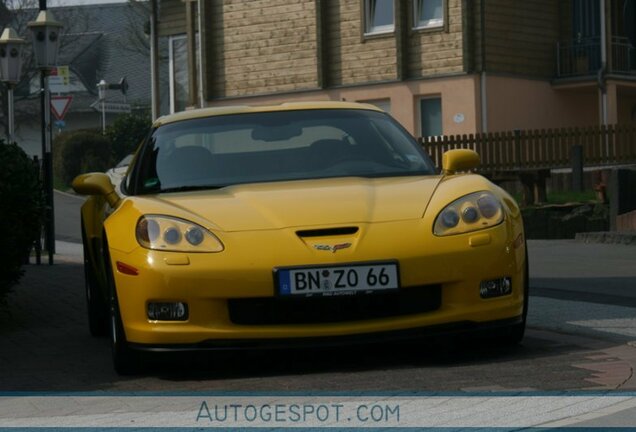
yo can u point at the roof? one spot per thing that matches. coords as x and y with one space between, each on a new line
244 109
103 50
99 44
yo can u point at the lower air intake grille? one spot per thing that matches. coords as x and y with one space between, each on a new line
314 310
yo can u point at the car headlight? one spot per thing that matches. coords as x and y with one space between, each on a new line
469 213
167 233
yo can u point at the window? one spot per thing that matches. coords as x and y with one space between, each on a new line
178 70
378 16
431 117
218 151
587 21
178 73
428 13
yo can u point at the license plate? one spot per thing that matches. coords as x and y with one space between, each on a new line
337 280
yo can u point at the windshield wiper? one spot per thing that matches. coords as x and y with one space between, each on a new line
190 188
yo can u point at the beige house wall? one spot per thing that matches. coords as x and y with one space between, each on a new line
172 17
518 103
521 36
261 52
351 57
434 52
459 96
262 46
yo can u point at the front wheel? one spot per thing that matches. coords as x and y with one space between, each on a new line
514 334
95 304
125 360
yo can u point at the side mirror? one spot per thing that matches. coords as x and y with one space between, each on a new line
96 184
459 160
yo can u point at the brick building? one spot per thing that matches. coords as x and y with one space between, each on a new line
439 66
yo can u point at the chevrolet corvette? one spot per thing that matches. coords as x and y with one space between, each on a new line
302 223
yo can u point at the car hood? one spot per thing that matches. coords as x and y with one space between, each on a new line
324 202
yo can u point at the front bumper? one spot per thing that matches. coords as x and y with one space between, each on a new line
437 331
207 282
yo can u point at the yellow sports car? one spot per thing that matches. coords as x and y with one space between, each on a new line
303 223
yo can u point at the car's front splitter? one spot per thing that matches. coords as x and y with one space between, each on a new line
488 328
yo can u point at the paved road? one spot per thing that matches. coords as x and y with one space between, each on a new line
598 273
67 216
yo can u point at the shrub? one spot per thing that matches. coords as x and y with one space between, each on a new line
21 213
126 133
78 152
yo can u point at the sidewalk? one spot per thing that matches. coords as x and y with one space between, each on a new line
609 237
68 252
44 336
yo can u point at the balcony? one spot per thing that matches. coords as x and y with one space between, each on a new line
579 58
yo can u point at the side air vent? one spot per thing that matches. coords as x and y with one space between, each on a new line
327 232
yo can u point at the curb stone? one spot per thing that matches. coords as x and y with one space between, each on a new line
609 237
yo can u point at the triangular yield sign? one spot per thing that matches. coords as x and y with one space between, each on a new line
60 105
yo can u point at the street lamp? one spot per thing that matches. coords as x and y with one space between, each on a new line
45 31
10 69
102 86
46 39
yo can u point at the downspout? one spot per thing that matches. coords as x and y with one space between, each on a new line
154 61
483 84
601 73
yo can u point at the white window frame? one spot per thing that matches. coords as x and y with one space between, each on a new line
428 24
369 29
171 76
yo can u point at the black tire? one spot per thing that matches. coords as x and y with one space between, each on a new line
96 306
125 360
514 334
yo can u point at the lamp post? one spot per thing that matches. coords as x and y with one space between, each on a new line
102 86
10 69
46 42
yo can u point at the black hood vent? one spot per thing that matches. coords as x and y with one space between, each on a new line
326 232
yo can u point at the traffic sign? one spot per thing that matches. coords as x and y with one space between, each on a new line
60 105
111 107
60 79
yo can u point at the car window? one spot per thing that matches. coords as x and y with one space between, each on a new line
276 146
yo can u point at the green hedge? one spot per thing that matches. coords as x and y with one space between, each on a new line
126 133
81 151
21 213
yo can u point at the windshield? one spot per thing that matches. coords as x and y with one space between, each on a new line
219 151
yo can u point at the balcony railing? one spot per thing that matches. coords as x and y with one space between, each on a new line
583 57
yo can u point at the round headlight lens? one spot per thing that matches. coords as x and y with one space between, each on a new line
450 218
172 235
488 206
470 215
194 236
